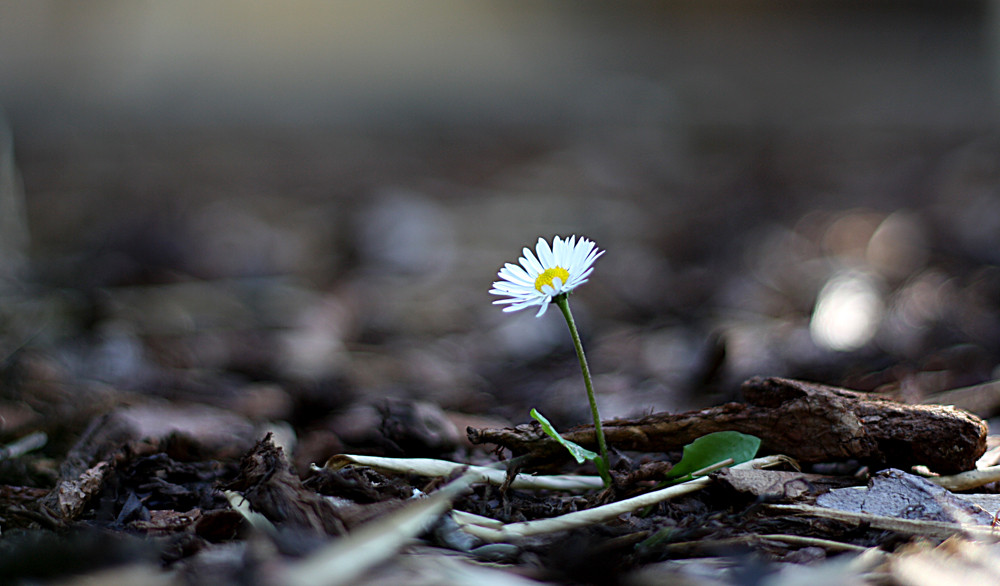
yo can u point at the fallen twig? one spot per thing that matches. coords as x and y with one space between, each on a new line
930 529
968 480
814 542
347 558
756 539
22 446
512 531
242 506
443 468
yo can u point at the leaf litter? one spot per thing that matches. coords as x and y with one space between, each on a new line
137 449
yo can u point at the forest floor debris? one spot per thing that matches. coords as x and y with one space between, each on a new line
183 495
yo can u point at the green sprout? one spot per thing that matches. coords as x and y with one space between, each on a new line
548 276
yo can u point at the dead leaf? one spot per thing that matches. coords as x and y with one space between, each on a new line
777 484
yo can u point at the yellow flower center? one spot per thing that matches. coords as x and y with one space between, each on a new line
549 275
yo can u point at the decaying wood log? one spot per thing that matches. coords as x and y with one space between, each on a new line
809 422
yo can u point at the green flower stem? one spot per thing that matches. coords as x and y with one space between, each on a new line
563 302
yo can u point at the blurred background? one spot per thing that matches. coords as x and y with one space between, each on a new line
294 210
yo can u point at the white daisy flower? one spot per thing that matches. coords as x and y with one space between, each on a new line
553 271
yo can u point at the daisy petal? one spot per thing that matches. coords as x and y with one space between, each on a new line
530 263
545 253
542 311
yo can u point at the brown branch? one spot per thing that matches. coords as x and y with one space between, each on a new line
809 422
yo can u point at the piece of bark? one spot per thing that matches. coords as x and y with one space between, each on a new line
72 496
87 465
809 422
269 484
894 493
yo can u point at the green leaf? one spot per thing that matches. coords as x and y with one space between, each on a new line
714 448
580 453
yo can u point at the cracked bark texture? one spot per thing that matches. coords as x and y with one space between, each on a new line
809 422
